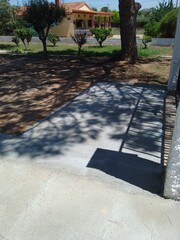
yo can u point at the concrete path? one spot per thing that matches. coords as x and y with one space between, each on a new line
80 173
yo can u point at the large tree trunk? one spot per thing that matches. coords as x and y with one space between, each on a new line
128 10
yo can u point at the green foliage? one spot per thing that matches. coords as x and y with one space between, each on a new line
143 17
167 25
115 19
160 10
153 27
9 20
6 17
87 51
42 15
101 34
145 40
25 34
29 34
94 9
53 38
105 9
16 40
80 40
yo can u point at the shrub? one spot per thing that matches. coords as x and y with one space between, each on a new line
29 34
80 39
25 34
16 40
100 34
53 38
145 40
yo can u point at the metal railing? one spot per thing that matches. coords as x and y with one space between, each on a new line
82 31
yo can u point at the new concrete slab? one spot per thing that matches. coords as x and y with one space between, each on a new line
43 203
53 188
101 117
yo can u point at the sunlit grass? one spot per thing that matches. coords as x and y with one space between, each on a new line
154 51
87 50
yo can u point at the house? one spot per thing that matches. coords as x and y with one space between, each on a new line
80 18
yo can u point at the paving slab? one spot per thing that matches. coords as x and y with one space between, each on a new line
88 171
43 203
108 116
101 117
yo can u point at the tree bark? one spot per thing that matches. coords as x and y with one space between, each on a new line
128 10
43 37
45 49
172 180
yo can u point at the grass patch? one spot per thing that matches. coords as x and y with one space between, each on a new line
152 51
7 46
87 50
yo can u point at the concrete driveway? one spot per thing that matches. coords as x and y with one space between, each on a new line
88 171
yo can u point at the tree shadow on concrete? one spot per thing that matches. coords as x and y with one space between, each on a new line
130 116
139 160
32 88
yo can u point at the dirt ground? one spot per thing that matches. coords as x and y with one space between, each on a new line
31 88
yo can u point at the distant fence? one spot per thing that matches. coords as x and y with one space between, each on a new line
82 31
162 41
9 39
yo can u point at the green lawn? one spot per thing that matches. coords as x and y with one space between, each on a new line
87 50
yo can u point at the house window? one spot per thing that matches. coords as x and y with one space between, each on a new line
89 23
79 23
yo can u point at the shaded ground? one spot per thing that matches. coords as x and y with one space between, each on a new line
31 88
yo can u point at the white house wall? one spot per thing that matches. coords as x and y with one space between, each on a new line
85 8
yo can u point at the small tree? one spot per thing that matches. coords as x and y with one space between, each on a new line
42 15
156 16
115 19
105 9
80 40
25 34
53 38
101 34
16 40
6 17
167 25
146 40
